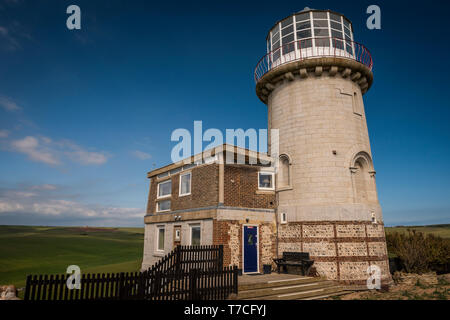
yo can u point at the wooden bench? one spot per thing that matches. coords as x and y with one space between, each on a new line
294 259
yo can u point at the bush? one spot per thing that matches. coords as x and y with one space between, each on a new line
418 253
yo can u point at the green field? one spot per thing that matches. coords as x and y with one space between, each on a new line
442 230
50 250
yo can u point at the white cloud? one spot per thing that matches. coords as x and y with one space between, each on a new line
5 102
141 155
48 187
66 208
36 205
45 150
31 147
85 157
4 133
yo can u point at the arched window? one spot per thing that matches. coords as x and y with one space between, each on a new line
361 182
284 172
363 174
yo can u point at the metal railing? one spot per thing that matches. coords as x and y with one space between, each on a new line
313 48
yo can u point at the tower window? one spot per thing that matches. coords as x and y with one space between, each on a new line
283 218
356 105
284 174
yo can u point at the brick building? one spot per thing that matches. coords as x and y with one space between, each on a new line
213 202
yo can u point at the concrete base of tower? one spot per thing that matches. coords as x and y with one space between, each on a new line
345 251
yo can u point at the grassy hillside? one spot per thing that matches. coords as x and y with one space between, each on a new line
50 250
442 230
37 250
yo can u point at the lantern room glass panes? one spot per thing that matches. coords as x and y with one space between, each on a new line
286 22
303 25
320 15
312 29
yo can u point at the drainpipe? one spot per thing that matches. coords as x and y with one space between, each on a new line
276 222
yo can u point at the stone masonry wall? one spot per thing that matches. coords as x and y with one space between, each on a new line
341 250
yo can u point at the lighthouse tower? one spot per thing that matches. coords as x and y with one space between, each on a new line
313 79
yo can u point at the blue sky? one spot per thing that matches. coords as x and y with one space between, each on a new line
84 114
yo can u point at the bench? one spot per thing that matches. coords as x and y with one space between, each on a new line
294 259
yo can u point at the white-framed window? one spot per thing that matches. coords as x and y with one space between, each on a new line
160 235
283 218
185 184
195 234
266 181
177 234
162 206
164 189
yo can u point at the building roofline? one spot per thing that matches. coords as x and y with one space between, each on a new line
208 153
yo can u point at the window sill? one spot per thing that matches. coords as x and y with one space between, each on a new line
284 189
265 191
158 253
164 197
184 195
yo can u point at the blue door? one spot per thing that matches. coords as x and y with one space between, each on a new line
250 249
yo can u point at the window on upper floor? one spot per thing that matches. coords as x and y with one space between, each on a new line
266 181
185 184
165 189
162 206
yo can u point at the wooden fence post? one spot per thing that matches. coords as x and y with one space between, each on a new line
121 286
220 258
235 279
193 284
178 258
27 288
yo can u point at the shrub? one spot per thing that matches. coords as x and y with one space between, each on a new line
418 253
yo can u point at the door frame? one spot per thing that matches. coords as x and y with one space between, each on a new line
257 248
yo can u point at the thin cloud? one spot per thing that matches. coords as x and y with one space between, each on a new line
4 133
35 151
8 104
35 202
141 155
46 187
45 150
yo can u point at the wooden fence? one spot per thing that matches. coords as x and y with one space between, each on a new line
172 285
185 258
186 273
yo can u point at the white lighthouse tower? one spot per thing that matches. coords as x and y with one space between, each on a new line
313 79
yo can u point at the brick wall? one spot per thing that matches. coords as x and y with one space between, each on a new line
204 190
241 186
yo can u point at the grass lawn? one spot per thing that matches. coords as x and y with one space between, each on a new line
50 250
442 230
